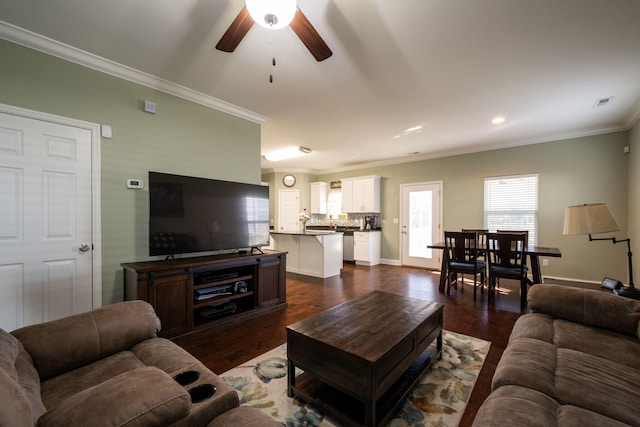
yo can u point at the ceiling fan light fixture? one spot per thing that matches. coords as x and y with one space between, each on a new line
272 14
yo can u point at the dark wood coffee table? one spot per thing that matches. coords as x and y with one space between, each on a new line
362 357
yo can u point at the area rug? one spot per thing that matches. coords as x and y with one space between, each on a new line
439 399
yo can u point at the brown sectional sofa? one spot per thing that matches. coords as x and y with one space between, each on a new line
573 361
108 367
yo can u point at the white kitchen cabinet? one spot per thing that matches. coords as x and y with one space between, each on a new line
347 195
361 194
366 247
318 197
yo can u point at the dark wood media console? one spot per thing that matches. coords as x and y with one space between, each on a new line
196 295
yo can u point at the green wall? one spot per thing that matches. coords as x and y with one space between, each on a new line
574 171
182 138
187 138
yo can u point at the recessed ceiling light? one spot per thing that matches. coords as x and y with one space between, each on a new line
287 153
497 120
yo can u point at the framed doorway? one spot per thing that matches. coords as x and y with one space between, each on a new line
420 224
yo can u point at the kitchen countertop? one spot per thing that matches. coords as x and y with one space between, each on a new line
309 233
339 229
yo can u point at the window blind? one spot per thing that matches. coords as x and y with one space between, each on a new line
511 203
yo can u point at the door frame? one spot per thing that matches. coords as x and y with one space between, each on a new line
280 192
440 185
96 211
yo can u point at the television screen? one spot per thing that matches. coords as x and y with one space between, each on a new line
188 214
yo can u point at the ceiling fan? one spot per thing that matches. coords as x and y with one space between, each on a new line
274 14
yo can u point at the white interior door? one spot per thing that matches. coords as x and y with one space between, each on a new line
288 211
46 268
421 211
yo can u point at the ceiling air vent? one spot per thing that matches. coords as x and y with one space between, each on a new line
602 102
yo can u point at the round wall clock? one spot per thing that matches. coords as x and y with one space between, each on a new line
289 180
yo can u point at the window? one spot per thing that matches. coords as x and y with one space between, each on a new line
334 203
511 203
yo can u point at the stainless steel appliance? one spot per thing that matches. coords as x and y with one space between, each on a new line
368 222
347 246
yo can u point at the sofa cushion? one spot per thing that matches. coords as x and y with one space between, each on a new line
61 345
598 384
19 383
586 306
571 416
16 406
511 406
533 325
59 388
527 362
620 348
144 397
169 357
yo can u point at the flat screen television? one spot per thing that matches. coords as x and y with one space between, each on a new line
189 214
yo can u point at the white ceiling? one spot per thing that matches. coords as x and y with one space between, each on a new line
449 66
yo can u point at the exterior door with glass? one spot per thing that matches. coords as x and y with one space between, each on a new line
421 213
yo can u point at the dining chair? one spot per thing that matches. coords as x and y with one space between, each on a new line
526 243
462 252
506 259
481 240
525 232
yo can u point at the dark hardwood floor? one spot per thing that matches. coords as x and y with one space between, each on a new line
489 320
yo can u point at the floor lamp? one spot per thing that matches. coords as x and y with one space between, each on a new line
596 218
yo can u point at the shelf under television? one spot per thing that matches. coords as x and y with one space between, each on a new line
218 300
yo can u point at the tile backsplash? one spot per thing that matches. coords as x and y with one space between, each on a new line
353 220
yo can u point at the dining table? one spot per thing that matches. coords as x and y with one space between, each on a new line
533 252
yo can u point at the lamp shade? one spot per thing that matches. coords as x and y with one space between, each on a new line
272 14
591 218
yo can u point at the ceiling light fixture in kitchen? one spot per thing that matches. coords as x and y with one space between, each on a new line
287 153
409 131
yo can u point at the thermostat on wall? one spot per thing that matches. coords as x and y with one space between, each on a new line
135 184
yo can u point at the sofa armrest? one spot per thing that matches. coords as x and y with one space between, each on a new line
142 397
61 345
586 306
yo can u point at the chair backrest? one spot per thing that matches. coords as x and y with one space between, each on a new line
506 249
461 246
525 232
481 233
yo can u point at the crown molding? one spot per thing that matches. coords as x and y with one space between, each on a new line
477 149
60 50
633 118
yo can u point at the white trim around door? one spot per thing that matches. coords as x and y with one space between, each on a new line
96 210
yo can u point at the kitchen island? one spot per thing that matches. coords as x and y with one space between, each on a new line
314 253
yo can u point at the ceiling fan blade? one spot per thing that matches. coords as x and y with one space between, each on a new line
236 31
309 36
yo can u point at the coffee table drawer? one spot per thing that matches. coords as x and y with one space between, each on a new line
328 364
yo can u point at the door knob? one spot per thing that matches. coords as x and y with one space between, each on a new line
84 247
